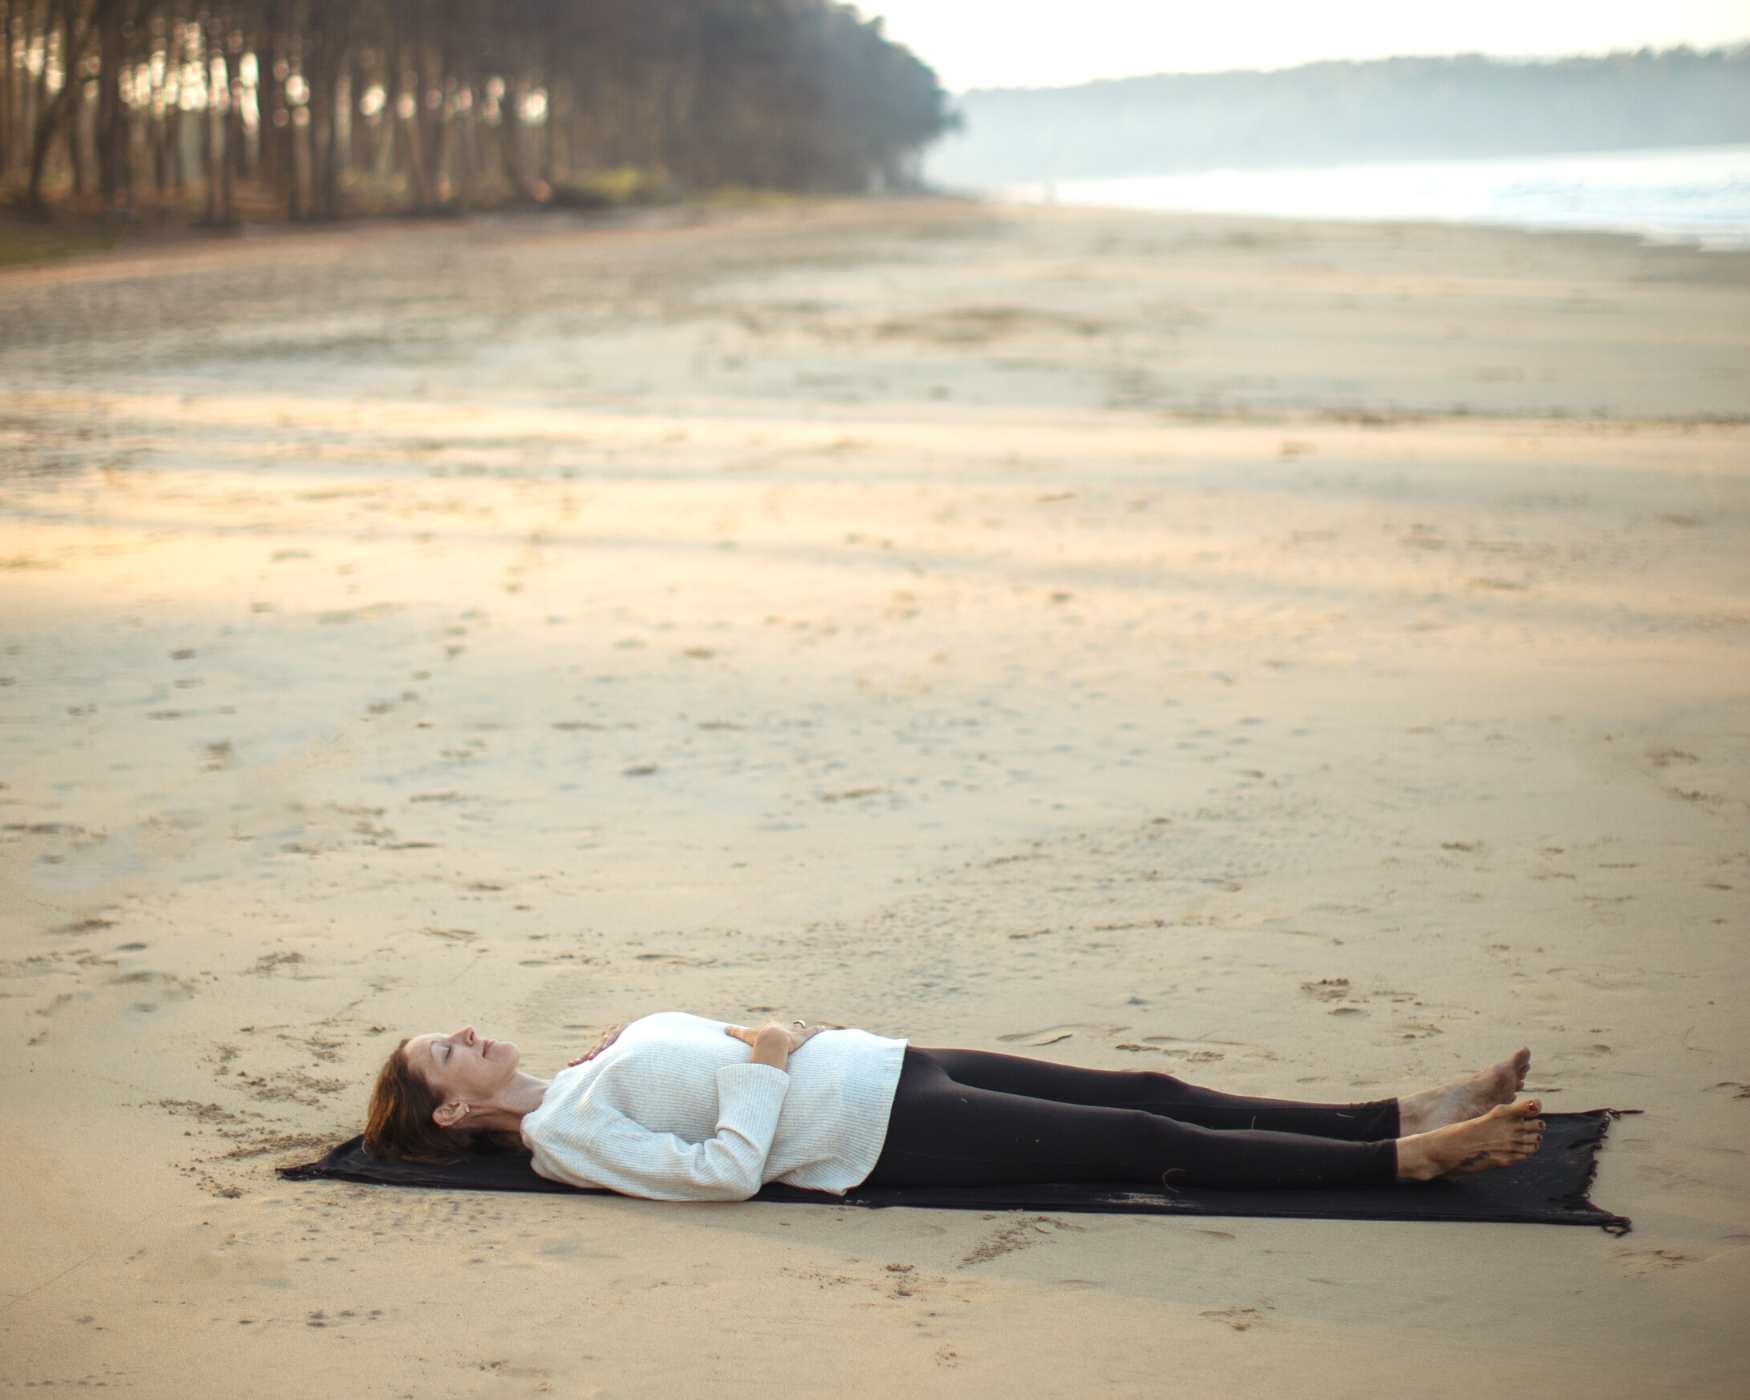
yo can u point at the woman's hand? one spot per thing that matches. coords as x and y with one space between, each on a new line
796 1034
608 1038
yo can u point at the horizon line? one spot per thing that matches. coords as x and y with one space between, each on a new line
1532 59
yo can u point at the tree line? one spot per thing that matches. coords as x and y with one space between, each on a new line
1337 113
325 105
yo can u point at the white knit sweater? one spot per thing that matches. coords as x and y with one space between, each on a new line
674 1110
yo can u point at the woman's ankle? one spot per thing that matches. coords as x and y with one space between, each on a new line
1415 1161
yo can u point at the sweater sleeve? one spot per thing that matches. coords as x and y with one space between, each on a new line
624 1156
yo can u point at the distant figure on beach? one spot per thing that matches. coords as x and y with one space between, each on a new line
677 1107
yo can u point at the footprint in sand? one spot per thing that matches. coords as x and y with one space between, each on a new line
1240 1319
1643 1262
270 963
90 925
1051 1035
1194 1057
849 794
1017 1234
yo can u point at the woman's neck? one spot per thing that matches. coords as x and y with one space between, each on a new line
521 1096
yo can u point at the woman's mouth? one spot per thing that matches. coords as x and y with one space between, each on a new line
486 1049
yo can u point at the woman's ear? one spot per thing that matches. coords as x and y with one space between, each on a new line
449 1113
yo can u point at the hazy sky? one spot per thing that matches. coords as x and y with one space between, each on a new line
1028 43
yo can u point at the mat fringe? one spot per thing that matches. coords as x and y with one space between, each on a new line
1581 1199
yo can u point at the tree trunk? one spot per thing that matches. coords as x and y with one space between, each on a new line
421 141
510 135
249 147
328 198
52 111
442 138
76 110
270 106
291 124
158 136
76 144
297 172
550 135
413 152
358 130
232 53
434 100
6 86
24 107
580 151
309 143
175 166
322 71
110 130
388 152
468 145
36 94
209 146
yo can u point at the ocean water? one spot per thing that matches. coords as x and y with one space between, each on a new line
1697 195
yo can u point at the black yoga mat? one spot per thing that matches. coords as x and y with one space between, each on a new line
1549 1189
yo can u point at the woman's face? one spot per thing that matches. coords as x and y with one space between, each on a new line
463 1065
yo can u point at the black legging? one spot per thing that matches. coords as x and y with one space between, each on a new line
970 1117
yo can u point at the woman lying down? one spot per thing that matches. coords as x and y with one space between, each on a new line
675 1107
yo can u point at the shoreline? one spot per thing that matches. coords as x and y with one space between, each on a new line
1287 185
1642 240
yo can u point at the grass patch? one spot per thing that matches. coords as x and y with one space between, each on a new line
747 197
26 241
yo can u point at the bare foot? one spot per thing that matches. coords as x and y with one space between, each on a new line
1464 1098
1506 1134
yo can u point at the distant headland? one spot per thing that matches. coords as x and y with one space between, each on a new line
1341 113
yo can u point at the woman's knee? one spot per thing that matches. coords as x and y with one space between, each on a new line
1158 1086
1147 1135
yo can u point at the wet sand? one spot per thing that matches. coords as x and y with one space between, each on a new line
1303 658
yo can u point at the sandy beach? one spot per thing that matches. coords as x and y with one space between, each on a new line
1304 658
